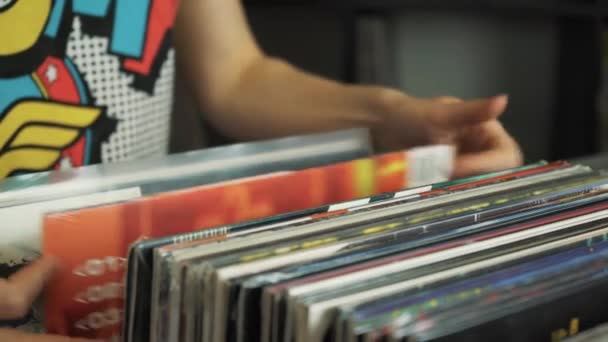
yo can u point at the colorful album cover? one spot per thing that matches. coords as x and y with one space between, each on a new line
250 297
312 303
550 311
425 302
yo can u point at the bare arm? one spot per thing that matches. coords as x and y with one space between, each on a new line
249 95
17 295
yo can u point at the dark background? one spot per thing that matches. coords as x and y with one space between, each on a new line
547 55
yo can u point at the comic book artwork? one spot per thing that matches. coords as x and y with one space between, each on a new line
79 79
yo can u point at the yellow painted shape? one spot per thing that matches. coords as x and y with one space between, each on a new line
22 24
47 136
45 112
27 158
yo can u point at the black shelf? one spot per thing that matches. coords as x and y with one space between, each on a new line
539 6
554 7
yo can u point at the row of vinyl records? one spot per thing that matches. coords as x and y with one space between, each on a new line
89 217
314 238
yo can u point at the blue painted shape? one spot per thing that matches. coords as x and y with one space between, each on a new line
52 27
130 26
15 89
78 80
94 8
88 148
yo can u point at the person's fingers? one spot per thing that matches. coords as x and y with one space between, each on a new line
475 164
19 336
449 113
500 152
18 292
447 99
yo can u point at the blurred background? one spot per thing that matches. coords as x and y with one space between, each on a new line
548 55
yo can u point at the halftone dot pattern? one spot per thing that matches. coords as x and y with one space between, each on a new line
143 119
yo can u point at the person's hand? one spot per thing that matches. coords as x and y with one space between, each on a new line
472 126
17 295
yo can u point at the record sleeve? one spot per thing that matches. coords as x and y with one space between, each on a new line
452 264
140 255
250 290
396 281
225 248
183 170
311 317
176 295
551 219
492 300
402 311
255 261
367 251
548 314
503 302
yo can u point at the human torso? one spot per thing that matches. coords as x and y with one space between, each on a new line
84 82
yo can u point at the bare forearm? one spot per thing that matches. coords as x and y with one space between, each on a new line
247 95
272 98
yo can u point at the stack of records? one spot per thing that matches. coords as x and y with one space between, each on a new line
89 217
341 248
520 255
